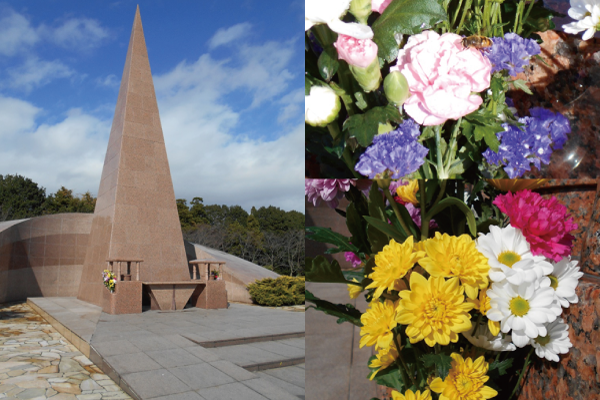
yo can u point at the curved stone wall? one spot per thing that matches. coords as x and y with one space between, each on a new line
237 273
42 256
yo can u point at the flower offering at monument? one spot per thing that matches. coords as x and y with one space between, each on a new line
455 310
423 89
110 280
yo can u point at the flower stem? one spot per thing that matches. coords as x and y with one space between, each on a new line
456 13
521 374
519 13
441 172
524 18
403 366
424 220
394 205
464 15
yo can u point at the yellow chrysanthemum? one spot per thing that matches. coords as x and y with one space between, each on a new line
378 322
408 193
465 381
449 256
391 264
354 290
409 395
385 358
434 310
483 305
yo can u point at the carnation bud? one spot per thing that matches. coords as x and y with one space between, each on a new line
321 106
361 9
361 56
395 87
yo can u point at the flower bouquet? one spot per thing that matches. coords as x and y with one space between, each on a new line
110 280
464 282
421 89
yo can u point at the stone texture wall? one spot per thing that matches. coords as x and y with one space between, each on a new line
42 256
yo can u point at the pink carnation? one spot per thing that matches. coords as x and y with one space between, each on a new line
545 223
441 77
380 5
328 190
358 52
352 258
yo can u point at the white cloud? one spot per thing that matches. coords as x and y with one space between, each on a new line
16 34
110 81
211 153
69 153
292 106
228 35
35 73
77 33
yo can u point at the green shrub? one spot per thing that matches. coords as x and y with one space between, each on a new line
284 290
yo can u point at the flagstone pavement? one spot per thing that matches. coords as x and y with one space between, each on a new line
36 362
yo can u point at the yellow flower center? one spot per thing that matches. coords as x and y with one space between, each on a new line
553 282
519 306
509 258
436 311
543 340
464 384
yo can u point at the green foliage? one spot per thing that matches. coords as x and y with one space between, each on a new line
344 313
284 290
20 197
441 362
63 201
404 17
319 269
365 126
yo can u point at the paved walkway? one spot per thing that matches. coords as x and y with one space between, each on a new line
337 368
177 355
36 362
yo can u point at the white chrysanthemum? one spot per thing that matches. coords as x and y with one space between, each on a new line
330 12
486 340
524 308
510 257
555 342
587 14
322 106
564 280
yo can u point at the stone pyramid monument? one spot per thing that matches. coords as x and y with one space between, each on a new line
136 213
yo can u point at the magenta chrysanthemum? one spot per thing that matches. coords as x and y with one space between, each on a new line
328 190
545 223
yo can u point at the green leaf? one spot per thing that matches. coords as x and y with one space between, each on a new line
307 86
441 362
345 313
355 273
326 235
377 239
357 228
386 228
491 139
501 366
521 84
319 269
453 201
364 126
404 17
389 377
328 63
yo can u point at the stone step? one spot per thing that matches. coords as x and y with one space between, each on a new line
260 356
246 340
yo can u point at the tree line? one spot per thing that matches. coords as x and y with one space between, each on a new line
267 236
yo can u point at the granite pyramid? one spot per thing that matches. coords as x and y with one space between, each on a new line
136 212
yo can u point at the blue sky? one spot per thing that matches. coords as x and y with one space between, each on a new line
228 84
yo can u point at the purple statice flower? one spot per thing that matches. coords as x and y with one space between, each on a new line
352 258
511 53
397 152
530 144
328 190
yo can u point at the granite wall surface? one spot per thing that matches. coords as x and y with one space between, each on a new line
42 256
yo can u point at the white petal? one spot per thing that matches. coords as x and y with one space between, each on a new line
353 29
519 338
